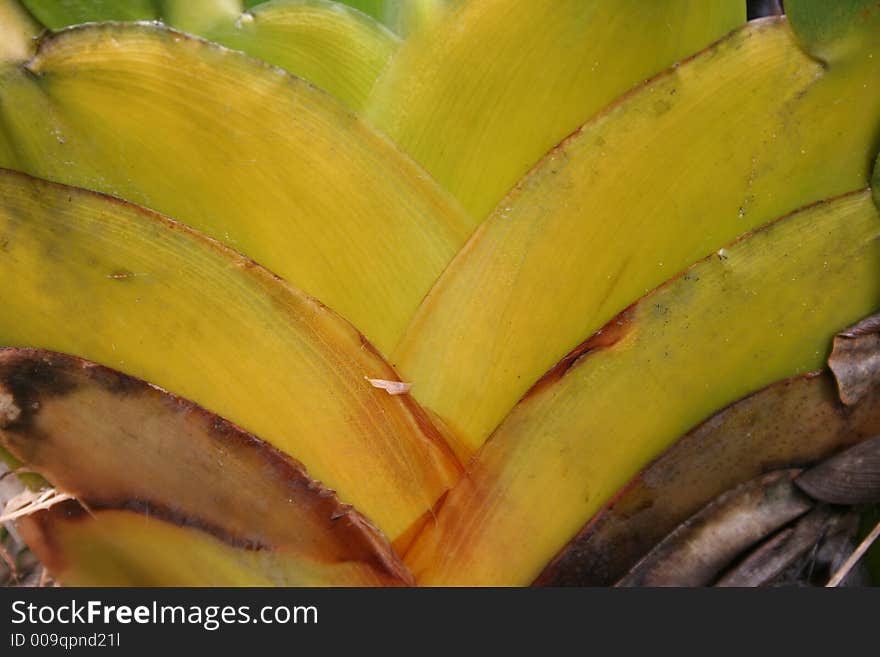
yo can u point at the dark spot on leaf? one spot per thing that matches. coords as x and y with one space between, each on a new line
28 380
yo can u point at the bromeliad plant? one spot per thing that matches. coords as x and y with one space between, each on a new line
517 249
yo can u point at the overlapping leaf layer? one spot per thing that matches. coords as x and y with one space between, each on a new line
572 232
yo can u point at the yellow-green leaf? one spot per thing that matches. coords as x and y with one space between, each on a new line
18 31
764 309
245 153
484 93
748 130
336 48
835 32
56 14
791 423
93 276
403 16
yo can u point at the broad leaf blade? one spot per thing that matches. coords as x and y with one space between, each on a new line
117 547
404 17
836 32
93 276
696 552
481 96
18 32
198 16
746 131
253 157
729 325
116 442
791 423
56 15
336 48
401 16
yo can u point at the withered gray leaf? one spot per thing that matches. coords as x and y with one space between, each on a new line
791 423
837 546
773 556
849 477
855 359
706 543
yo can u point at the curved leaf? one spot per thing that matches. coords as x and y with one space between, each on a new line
84 274
835 32
791 423
117 547
245 153
118 443
481 96
339 50
735 322
18 32
746 131
56 15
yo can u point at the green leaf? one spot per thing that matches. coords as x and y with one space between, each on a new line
836 30
402 16
57 14
332 46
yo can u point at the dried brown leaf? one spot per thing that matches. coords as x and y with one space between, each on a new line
849 477
701 547
855 359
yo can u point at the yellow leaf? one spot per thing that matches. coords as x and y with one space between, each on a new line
793 422
728 326
746 131
116 547
481 96
243 152
88 275
115 442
